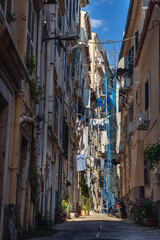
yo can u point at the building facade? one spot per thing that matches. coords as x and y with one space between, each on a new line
139 101
38 112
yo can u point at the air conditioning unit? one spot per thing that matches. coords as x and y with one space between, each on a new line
128 83
143 123
131 127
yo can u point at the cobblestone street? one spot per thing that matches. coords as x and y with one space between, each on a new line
102 227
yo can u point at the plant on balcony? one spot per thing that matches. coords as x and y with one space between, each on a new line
152 155
35 88
142 208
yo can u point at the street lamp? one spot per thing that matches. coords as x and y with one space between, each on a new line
66 37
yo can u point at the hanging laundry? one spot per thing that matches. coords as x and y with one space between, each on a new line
81 162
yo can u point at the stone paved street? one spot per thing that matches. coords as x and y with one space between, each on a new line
102 227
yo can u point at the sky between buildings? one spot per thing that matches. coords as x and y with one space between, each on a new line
108 19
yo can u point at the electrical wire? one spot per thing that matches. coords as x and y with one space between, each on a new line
126 39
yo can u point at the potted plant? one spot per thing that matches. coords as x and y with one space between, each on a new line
143 210
60 213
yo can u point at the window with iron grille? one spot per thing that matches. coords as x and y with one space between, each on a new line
56 110
7 6
30 33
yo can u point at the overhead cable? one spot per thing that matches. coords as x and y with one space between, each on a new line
126 39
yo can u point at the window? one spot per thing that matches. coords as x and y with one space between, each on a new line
70 13
131 112
74 10
146 96
30 32
67 4
136 40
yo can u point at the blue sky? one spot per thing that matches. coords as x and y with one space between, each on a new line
108 19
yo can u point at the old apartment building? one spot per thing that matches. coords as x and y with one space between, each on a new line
38 105
138 72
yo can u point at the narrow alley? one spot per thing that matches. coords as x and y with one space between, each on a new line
79 119
103 227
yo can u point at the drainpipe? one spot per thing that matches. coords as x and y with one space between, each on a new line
47 75
50 109
62 122
39 76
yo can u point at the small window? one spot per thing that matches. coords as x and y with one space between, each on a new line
131 112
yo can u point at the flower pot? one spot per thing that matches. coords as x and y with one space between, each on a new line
82 212
59 219
150 222
86 213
